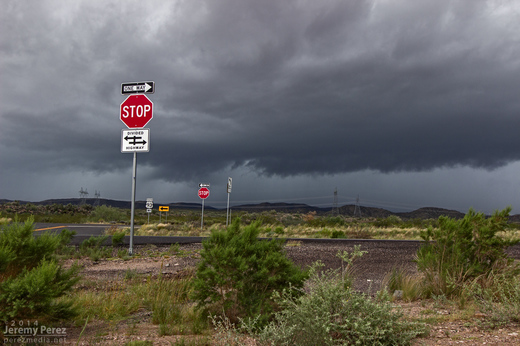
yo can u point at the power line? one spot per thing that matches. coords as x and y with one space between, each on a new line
83 194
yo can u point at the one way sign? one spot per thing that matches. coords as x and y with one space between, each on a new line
135 141
138 88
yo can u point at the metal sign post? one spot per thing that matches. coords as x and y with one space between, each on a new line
134 174
229 182
135 112
149 206
203 194
202 217
164 208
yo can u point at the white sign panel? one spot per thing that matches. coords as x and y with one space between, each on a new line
229 184
138 87
137 140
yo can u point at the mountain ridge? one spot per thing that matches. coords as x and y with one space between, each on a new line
345 210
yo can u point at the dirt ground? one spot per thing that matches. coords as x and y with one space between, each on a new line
370 271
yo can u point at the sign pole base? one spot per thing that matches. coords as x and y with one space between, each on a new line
132 212
202 217
227 211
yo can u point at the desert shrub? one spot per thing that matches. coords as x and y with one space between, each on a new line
499 298
338 234
93 247
410 285
31 280
266 218
93 242
458 251
117 238
105 213
347 264
325 221
391 220
324 233
238 273
332 314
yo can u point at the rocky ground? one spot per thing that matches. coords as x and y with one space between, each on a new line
370 271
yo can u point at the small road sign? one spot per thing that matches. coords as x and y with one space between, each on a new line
203 192
229 184
164 208
149 210
136 111
149 203
138 88
203 185
135 141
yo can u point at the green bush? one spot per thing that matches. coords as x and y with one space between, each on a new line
458 251
338 234
118 238
238 273
499 299
104 213
31 280
390 221
332 314
326 221
93 248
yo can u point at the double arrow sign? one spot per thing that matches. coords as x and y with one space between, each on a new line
135 140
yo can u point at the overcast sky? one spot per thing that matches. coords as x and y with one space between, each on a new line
404 103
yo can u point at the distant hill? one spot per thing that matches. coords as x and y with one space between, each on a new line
346 210
431 213
110 203
279 207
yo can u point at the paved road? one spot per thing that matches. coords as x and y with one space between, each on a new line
80 229
398 248
85 231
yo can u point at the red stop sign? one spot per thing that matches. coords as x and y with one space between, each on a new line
136 111
203 192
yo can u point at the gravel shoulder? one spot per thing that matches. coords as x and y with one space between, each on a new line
370 271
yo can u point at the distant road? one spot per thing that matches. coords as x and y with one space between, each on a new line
80 229
85 231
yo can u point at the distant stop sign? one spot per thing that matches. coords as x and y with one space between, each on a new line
136 111
203 192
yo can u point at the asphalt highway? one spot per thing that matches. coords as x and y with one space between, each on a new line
85 231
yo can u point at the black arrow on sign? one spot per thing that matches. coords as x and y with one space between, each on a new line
134 139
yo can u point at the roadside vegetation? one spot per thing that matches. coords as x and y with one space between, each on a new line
245 288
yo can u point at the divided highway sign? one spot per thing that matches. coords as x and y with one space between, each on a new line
135 141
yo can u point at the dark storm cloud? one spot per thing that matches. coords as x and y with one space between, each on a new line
282 88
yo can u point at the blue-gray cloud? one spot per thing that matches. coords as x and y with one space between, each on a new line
282 89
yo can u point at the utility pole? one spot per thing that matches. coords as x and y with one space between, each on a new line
335 209
357 209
